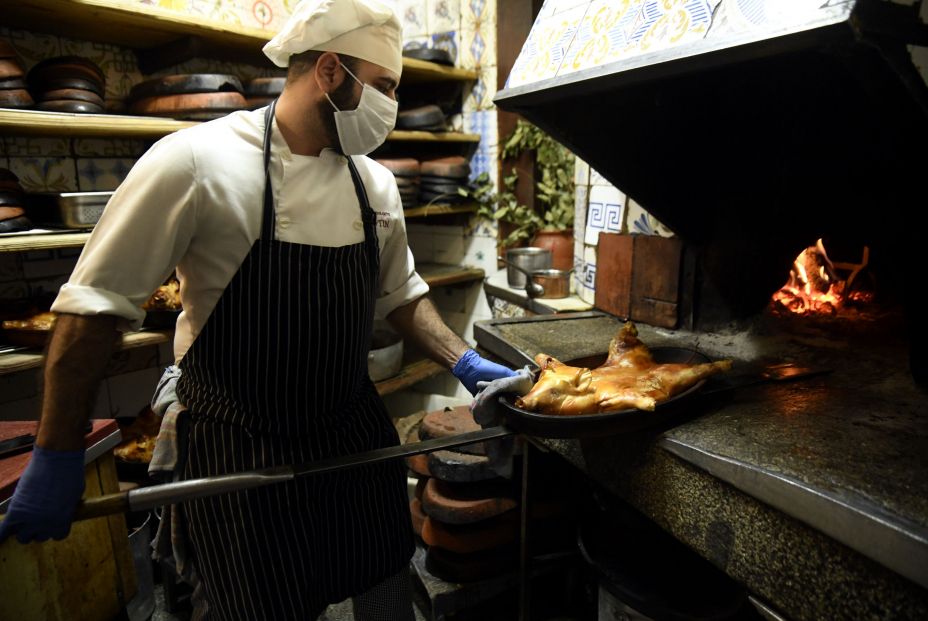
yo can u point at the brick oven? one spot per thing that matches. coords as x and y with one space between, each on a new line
787 151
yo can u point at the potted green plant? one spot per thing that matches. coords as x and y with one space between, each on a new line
550 224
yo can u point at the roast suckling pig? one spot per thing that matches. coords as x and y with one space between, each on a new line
628 379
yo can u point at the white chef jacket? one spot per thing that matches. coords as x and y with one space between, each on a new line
193 202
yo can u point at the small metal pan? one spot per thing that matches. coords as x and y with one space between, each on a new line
604 423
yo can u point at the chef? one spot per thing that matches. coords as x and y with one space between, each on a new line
287 242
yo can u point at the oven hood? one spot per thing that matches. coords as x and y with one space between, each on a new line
775 123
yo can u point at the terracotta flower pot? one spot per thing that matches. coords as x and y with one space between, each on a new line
561 245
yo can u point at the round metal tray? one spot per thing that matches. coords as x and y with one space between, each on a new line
605 423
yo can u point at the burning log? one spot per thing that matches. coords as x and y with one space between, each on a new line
813 285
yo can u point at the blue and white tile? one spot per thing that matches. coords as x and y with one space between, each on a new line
552 7
483 122
605 212
478 226
109 147
478 11
478 38
546 47
447 41
585 282
581 172
45 174
481 94
597 179
581 202
414 17
641 222
444 15
26 146
480 251
102 174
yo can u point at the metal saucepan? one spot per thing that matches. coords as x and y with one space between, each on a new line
554 283
543 283
523 261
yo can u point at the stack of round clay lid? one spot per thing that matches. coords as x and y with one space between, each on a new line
462 511
423 118
12 204
443 179
406 172
13 90
261 92
67 84
191 97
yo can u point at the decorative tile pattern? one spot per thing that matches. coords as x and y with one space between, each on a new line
483 91
45 174
605 213
640 221
26 146
485 159
568 36
414 17
109 147
585 275
478 33
102 174
444 15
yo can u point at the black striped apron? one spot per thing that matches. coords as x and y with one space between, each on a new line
278 375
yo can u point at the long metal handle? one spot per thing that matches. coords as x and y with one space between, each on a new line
182 491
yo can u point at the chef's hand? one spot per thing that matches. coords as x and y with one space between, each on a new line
488 411
471 368
47 494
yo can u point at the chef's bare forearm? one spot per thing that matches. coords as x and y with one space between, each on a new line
420 323
77 355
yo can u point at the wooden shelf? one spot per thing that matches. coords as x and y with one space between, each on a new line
423 71
43 241
141 27
438 275
25 360
39 123
411 374
438 209
414 136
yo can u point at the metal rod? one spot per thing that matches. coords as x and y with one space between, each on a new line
182 491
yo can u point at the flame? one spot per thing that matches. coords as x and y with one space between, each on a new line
813 286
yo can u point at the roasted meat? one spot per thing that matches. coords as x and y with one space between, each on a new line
628 379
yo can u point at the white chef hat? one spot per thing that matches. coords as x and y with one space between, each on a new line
365 29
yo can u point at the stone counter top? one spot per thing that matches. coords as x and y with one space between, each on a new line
804 491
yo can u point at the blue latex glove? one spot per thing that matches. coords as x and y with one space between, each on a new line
471 368
46 496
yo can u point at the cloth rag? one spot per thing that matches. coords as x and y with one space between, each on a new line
488 412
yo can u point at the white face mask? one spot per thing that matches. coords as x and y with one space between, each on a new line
365 128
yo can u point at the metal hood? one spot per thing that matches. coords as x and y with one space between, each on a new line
772 124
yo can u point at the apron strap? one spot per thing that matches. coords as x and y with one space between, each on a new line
369 218
267 212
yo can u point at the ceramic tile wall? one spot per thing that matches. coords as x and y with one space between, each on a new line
600 207
572 35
